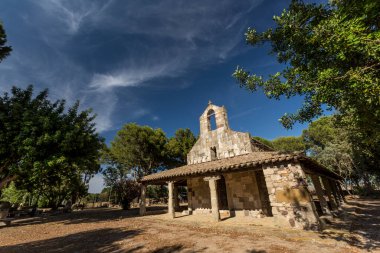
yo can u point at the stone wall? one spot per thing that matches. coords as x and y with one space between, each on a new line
221 142
243 195
242 191
289 198
199 194
263 192
227 143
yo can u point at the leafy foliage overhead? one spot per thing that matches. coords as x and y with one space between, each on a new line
332 57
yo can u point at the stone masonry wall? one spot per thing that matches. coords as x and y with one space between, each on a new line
289 198
227 143
199 194
263 192
242 191
221 142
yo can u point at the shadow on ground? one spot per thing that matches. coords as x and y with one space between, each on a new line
88 216
361 224
101 240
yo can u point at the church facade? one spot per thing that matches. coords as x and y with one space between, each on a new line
229 173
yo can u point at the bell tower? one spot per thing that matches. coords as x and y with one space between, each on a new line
213 112
216 139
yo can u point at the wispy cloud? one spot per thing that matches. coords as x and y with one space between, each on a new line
86 49
73 13
136 74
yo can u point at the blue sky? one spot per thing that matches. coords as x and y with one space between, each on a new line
156 63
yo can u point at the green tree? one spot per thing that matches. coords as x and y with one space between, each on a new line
139 150
13 195
156 191
330 145
179 146
332 57
45 148
263 141
4 50
289 144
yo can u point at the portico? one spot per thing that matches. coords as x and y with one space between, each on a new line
228 171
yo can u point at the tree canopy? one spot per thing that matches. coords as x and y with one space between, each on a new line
330 146
179 146
137 151
289 144
331 54
44 147
4 50
140 149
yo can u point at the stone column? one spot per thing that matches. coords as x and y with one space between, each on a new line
340 191
189 197
171 210
176 200
329 193
335 192
212 182
319 191
142 199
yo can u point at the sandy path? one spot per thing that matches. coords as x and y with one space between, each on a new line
110 230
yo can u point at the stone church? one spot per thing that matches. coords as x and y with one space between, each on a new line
229 173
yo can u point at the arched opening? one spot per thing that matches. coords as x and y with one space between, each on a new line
211 120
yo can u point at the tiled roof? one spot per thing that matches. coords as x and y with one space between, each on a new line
240 162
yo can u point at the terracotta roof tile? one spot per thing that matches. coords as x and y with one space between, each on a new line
234 163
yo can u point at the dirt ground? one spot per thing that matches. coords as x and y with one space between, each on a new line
111 230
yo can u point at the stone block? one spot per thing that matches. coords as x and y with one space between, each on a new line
292 196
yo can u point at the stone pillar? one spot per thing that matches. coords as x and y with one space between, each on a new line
142 199
289 198
335 192
319 191
329 192
176 200
340 191
212 182
171 210
189 197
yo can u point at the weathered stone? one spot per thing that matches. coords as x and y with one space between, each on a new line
221 142
142 199
292 222
171 203
248 189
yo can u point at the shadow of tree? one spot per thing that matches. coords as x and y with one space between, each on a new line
88 216
176 248
359 226
97 241
169 249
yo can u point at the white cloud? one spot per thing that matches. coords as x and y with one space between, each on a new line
138 72
72 13
169 38
196 32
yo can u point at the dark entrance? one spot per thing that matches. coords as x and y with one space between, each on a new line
222 194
